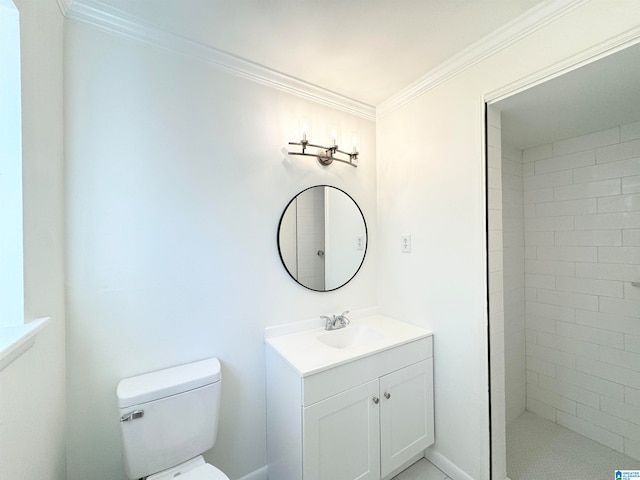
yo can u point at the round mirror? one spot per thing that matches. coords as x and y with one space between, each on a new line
322 238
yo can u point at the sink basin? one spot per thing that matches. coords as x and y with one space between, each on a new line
350 336
310 349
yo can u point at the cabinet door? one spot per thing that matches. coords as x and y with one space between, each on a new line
341 436
406 414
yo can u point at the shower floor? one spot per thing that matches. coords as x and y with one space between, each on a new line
538 449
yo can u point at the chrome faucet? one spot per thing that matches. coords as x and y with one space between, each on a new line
334 322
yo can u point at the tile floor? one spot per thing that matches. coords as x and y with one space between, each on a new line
538 449
422 470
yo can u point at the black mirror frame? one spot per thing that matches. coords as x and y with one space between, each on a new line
366 232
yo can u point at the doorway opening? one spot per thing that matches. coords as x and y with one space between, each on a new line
563 201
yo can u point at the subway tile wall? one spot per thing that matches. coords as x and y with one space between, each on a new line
310 236
514 286
581 207
496 294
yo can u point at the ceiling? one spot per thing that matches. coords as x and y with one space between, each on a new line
597 96
369 50
366 50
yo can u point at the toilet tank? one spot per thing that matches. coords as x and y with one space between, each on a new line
168 416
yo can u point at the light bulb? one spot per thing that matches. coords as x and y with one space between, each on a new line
354 142
334 134
304 126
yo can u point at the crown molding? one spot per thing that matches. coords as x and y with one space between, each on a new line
521 27
64 6
608 47
117 22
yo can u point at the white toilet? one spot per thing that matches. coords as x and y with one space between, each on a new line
168 419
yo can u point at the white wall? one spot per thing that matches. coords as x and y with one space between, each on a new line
582 222
32 392
431 185
175 186
157 163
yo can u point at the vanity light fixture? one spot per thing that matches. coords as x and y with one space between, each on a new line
326 155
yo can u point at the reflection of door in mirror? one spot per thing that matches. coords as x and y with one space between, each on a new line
343 226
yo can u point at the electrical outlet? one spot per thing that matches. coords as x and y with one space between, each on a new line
405 243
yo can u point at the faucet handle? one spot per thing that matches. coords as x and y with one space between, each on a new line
344 313
328 320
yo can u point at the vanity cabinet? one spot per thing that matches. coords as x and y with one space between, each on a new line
340 436
406 414
365 419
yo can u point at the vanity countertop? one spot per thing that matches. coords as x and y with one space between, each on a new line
310 351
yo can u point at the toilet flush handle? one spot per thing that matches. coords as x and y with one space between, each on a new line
132 415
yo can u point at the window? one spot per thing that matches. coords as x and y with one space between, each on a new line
11 246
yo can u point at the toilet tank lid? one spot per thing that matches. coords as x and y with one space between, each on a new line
164 383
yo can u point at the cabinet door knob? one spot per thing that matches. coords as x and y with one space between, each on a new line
387 395
375 400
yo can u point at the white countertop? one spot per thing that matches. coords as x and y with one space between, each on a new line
308 355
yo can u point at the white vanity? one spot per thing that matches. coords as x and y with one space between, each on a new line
354 403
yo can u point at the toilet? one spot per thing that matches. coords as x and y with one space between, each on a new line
168 418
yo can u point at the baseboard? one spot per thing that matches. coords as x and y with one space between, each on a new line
403 467
439 460
260 474
446 465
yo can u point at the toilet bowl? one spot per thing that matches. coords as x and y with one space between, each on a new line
168 419
196 469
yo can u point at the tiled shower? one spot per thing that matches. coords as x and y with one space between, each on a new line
570 256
